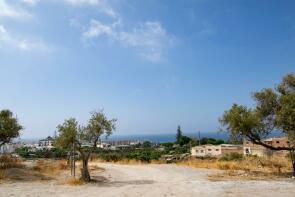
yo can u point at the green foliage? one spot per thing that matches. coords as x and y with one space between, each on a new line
146 144
178 134
180 138
23 152
232 157
212 141
71 133
183 140
145 155
286 115
98 125
56 153
182 149
9 127
240 121
168 146
274 110
68 132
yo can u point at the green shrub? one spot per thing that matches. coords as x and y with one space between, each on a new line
26 152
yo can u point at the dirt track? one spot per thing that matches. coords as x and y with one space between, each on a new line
151 180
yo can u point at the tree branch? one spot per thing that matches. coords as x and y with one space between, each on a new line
259 142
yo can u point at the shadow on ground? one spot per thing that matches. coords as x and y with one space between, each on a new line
104 182
25 174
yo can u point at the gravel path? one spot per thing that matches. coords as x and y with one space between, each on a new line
151 180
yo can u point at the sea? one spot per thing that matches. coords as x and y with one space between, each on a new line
155 138
161 138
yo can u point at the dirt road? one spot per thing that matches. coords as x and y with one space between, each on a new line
150 180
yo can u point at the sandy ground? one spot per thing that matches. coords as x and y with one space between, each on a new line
150 180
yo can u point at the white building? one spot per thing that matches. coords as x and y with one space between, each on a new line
215 150
46 143
9 148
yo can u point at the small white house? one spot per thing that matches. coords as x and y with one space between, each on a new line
215 150
46 143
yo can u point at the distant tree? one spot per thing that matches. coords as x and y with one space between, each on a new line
71 133
275 110
146 144
184 140
213 141
178 134
9 127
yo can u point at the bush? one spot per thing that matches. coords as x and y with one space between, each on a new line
45 153
144 155
232 157
6 161
2 174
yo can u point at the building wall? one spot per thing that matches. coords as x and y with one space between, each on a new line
231 149
254 149
213 150
7 148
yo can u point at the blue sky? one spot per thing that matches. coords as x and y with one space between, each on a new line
151 64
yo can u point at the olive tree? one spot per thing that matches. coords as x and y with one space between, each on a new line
85 138
274 111
9 127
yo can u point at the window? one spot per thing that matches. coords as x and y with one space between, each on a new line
247 151
197 151
217 149
202 151
247 142
209 149
278 142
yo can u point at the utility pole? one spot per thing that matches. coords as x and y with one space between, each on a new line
72 160
74 163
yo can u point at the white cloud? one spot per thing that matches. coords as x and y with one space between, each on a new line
102 5
30 2
7 10
149 38
96 29
7 40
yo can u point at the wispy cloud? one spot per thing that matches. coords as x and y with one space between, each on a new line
206 30
7 40
30 2
9 11
15 40
101 5
149 38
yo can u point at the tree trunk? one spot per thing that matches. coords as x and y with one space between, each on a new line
293 162
84 171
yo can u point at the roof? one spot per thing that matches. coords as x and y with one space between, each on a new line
232 145
47 139
223 145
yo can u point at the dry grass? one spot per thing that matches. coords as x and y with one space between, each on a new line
249 163
246 175
74 182
2 174
249 167
50 167
7 162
